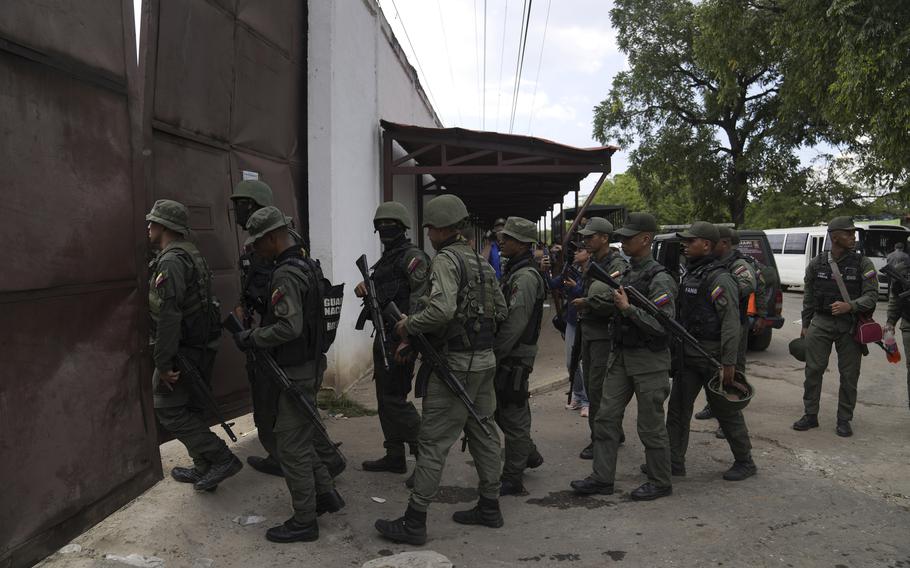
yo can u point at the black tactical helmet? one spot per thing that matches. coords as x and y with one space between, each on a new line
732 397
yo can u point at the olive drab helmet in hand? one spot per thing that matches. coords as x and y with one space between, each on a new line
171 214
444 211
393 211
732 397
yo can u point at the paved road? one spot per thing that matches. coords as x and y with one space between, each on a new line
818 500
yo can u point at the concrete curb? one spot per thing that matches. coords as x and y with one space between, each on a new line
549 385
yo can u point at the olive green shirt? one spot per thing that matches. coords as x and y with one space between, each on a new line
441 303
743 274
417 267
864 303
596 319
525 288
171 275
661 291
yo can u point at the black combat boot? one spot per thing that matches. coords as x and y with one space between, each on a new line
409 529
588 452
705 413
719 434
590 486
843 429
388 462
268 465
649 492
186 474
675 470
485 513
292 531
511 487
740 470
806 422
535 460
330 502
218 473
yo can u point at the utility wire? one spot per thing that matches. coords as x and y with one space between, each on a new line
477 54
539 61
445 41
523 42
483 111
502 52
426 80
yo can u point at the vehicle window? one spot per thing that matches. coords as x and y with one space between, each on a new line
796 243
878 243
777 243
752 247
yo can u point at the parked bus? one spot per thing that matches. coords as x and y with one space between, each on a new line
794 247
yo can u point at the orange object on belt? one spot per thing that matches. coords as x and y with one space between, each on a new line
752 310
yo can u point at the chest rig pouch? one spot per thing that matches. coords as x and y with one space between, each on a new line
697 311
391 279
474 324
630 335
200 309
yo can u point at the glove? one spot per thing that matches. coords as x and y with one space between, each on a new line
244 340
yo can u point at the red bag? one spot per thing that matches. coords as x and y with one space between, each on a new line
867 330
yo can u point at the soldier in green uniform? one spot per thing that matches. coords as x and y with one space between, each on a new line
595 317
640 365
460 315
709 310
400 276
829 319
184 320
516 347
249 196
899 309
292 330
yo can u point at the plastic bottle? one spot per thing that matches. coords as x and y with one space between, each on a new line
893 353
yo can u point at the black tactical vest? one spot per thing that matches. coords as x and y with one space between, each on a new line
826 289
308 346
390 276
255 273
696 309
200 309
630 335
532 331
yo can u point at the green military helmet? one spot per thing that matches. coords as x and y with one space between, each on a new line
444 211
732 397
844 223
394 211
264 221
170 214
258 191
520 229
798 349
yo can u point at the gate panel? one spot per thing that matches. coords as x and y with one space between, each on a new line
77 435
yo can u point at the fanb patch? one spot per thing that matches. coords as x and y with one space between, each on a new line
414 264
661 300
161 278
716 293
277 294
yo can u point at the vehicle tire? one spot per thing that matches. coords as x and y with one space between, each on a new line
761 341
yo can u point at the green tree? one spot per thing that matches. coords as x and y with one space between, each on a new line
701 100
623 189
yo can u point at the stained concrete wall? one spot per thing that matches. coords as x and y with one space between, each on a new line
357 75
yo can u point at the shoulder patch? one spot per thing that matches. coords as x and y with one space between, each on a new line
718 292
661 300
161 278
740 269
869 274
277 294
414 264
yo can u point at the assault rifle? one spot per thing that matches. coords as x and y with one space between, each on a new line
202 392
671 325
895 276
266 363
372 310
431 357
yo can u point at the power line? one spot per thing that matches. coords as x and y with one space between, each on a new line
523 42
445 42
476 53
426 79
502 52
539 61
483 112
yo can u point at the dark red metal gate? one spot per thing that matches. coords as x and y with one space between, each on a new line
76 437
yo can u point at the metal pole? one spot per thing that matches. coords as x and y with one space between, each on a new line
578 213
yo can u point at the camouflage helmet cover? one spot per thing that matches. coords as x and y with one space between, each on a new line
394 211
444 211
170 214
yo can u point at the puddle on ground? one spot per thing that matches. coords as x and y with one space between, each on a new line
570 500
615 555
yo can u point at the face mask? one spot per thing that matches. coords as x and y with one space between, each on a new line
388 233
242 211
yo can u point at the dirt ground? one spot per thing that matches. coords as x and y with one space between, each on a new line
818 500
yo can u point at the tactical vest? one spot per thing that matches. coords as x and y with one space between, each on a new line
200 310
826 289
589 280
255 273
696 309
532 332
629 335
474 324
308 346
390 276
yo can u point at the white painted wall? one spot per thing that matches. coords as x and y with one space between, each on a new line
357 74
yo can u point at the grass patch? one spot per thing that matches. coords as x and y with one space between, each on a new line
341 405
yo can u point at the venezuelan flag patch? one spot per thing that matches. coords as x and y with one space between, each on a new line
160 279
716 293
661 300
412 266
739 270
869 274
277 295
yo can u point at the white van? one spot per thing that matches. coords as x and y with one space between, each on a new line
794 247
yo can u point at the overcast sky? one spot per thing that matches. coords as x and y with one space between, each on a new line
574 49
